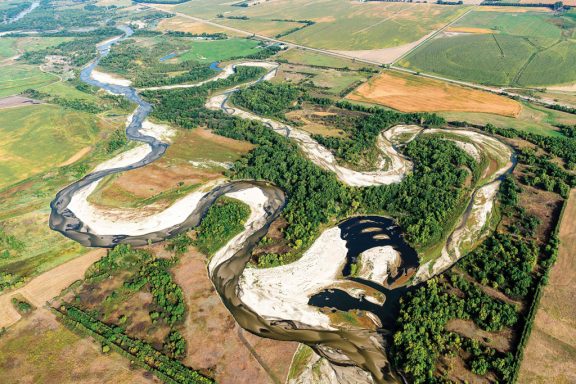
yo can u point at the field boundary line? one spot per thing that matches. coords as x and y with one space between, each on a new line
498 90
433 35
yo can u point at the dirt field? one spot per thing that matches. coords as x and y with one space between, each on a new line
412 93
550 356
182 24
469 30
215 342
16 101
47 285
40 350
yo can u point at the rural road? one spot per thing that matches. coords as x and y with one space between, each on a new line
497 90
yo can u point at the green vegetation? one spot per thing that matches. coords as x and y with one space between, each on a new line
219 50
79 51
61 132
167 369
223 221
23 307
266 98
9 245
520 51
421 338
17 78
167 294
175 345
49 17
338 24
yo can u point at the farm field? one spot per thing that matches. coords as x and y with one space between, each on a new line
11 46
17 78
411 93
553 335
179 23
511 49
264 27
300 56
340 24
531 119
61 132
208 51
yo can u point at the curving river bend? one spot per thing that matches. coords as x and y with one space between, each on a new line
360 347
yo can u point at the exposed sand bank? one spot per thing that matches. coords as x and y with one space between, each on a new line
108 78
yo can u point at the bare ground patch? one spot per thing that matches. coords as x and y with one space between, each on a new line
223 353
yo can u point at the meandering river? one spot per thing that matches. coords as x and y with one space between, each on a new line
361 347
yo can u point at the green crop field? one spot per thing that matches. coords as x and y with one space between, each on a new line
41 136
16 78
555 65
526 49
528 24
484 59
217 50
340 24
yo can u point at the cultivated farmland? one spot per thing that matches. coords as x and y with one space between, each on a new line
411 93
504 48
16 78
339 24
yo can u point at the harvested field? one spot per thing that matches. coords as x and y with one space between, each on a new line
182 24
47 285
41 350
229 354
411 93
550 356
469 30
16 101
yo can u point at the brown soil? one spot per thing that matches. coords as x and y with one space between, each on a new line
77 156
47 285
550 356
215 345
412 93
497 340
469 30
17 101
41 350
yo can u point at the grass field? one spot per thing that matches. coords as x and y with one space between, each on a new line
523 49
35 138
16 78
340 24
10 46
411 93
217 50
552 339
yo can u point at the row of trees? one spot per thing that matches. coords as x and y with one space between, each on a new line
168 369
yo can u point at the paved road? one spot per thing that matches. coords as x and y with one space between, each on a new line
497 90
